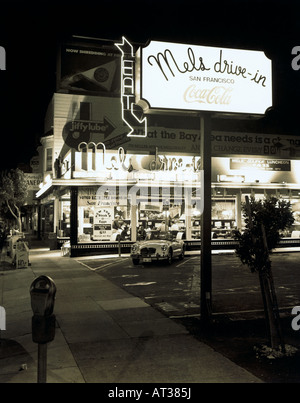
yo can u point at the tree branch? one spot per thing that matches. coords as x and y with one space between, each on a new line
10 209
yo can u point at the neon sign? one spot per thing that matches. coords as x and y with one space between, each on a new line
129 107
163 163
95 158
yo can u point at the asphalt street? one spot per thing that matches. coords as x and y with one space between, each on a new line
175 289
103 333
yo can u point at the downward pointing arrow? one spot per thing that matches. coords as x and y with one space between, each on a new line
131 119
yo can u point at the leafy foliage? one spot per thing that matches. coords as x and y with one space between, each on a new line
13 192
275 215
264 220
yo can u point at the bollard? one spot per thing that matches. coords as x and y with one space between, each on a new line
42 293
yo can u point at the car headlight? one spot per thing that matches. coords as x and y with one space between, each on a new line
135 248
164 248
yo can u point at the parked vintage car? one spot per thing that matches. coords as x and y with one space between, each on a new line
160 246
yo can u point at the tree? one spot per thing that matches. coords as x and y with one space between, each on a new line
264 219
13 193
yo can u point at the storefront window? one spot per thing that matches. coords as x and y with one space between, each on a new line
104 223
157 216
64 224
47 219
223 218
102 220
294 231
48 159
121 225
284 194
195 222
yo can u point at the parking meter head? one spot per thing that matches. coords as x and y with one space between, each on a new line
42 292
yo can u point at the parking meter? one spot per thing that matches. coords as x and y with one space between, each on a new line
42 292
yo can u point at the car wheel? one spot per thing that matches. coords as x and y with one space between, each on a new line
169 257
135 261
181 256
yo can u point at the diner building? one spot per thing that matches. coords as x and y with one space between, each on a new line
102 189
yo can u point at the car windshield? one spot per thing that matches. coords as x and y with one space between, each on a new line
161 235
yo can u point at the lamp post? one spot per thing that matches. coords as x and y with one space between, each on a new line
205 261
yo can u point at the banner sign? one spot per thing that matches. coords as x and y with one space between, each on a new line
226 144
261 164
201 78
33 180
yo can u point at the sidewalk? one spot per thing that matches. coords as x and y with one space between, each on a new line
103 333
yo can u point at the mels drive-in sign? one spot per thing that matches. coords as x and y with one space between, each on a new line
200 78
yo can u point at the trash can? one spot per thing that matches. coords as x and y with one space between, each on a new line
52 237
12 242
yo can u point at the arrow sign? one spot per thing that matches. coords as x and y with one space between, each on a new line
76 131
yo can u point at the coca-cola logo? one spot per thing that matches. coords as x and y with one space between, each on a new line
218 95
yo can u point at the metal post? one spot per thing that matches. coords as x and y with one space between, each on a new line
119 245
2 309
74 217
42 363
39 220
206 275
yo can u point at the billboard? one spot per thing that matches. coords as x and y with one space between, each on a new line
89 68
200 78
87 119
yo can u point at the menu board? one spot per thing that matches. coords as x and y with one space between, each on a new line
103 223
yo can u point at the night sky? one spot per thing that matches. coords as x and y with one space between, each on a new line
31 31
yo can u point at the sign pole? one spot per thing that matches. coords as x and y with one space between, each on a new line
42 363
206 275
